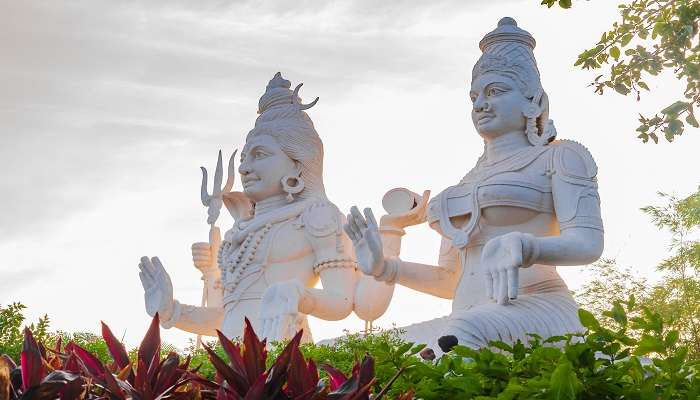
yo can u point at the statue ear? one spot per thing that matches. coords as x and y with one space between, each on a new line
531 110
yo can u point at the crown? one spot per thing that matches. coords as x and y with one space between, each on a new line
278 93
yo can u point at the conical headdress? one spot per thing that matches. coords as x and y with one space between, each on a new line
282 116
509 50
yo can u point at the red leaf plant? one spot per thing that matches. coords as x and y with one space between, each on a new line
35 378
152 378
291 376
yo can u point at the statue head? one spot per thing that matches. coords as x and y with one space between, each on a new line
283 154
506 91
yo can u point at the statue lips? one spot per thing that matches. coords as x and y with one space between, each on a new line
248 181
485 118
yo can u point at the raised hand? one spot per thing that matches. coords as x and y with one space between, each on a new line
364 233
417 215
202 255
158 289
279 312
502 258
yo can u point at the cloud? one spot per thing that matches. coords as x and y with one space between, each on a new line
91 89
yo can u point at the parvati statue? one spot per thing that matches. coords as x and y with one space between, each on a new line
286 237
530 203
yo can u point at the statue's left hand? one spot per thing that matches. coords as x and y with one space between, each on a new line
279 311
502 258
417 215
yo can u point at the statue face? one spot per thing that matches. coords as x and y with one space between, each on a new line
263 165
498 105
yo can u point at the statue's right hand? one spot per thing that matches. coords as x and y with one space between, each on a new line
202 255
158 289
364 233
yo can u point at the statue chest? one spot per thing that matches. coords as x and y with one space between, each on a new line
273 253
506 198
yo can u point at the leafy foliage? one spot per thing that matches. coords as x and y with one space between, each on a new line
676 297
651 36
629 354
11 333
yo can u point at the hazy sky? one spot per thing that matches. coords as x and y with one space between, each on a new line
107 110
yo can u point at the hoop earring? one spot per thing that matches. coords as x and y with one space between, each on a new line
292 189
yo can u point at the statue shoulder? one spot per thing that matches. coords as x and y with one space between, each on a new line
572 159
321 219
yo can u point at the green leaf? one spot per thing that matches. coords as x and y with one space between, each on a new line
690 119
649 344
675 128
588 320
675 108
565 3
671 338
621 88
618 314
564 385
626 39
615 52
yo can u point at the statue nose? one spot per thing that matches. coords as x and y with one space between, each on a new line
244 168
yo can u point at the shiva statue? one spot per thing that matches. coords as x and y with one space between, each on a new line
286 237
529 204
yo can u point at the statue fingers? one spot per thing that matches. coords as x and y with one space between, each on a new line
265 327
147 268
513 282
145 281
351 234
489 284
371 221
354 227
502 287
158 266
359 219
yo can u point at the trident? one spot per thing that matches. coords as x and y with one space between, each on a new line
213 203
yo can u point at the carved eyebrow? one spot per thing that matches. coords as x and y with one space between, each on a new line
497 84
258 147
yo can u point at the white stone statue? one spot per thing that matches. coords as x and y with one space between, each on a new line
287 235
530 203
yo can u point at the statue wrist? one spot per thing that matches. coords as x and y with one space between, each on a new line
168 322
531 250
307 302
386 229
390 273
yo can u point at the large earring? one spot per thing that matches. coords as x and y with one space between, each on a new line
292 185
531 113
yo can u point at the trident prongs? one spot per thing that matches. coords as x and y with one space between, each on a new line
231 172
215 200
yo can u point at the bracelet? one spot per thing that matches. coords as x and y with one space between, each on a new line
531 250
390 273
174 316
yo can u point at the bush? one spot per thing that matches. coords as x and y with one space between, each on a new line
626 354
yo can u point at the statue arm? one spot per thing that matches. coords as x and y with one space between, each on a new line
577 206
333 302
440 280
193 319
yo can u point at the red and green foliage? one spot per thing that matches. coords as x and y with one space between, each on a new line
630 355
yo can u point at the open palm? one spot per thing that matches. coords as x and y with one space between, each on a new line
364 233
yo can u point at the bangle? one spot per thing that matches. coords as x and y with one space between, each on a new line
390 273
388 229
174 316
531 250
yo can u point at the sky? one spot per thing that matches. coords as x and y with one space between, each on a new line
108 109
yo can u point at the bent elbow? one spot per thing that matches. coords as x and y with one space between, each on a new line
593 248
